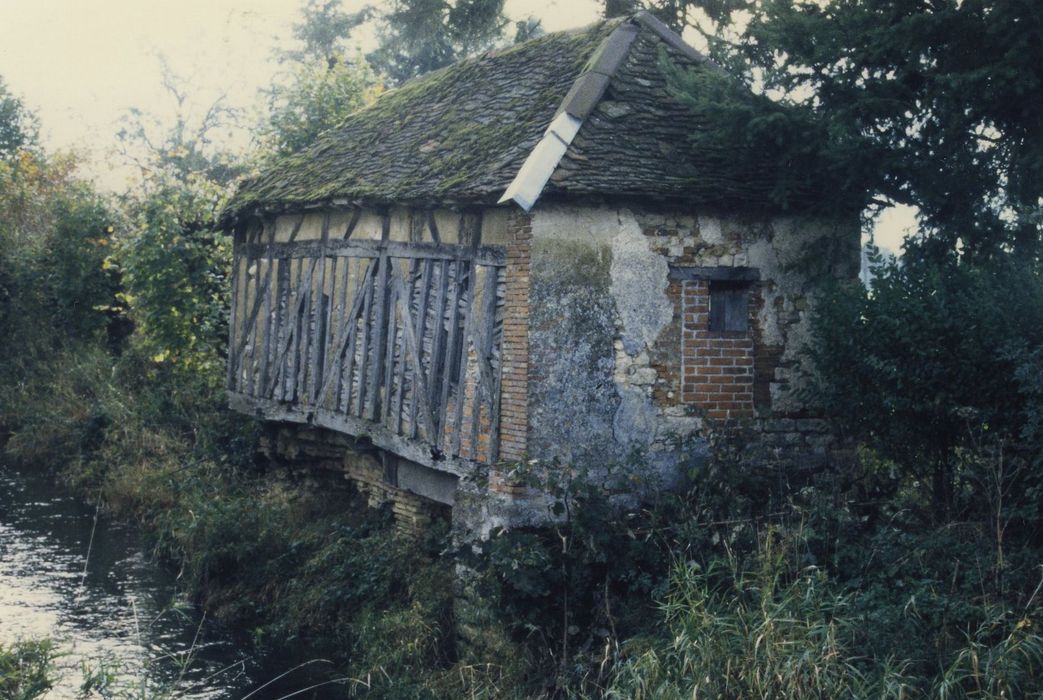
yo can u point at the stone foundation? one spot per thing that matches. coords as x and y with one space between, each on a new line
320 459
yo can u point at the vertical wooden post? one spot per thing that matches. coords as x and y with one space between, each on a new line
379 324
233 310
421 320
497 391
471 223
317 314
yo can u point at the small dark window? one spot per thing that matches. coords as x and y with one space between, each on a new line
729 306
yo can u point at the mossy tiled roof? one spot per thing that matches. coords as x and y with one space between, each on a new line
459 133
463 133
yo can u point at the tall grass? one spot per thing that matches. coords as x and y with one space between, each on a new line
771 631
773 627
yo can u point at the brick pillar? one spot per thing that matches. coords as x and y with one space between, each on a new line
514 403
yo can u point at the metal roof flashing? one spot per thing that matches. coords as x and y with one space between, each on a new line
585 94
532 177
582 98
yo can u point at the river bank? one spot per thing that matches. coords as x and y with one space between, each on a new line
89 584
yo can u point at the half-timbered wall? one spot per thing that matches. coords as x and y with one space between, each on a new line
380 323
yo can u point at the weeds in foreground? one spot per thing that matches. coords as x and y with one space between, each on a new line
773 627
26 669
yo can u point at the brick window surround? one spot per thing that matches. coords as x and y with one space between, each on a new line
716 366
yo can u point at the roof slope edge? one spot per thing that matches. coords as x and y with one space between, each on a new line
585 94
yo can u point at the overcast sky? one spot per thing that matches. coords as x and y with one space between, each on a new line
81 64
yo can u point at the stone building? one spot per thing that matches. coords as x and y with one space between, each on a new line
526 257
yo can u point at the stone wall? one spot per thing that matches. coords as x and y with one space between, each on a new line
319 459
623 369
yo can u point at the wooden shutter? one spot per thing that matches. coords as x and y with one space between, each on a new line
729 306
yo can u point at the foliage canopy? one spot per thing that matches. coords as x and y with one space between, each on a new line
19 127
944 98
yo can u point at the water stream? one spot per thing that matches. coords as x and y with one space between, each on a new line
117 608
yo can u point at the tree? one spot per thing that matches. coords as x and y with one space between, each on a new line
56 231
418 36
945 95
322 31
936 366
323 83
674 13
55 238
175 264
186 148
176 272
19 128
317 96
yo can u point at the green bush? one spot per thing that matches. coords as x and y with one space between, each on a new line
177 273
936 370
55 238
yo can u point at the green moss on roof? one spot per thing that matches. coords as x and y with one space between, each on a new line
459 133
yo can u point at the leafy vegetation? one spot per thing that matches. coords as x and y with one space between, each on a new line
943 98
26 670
934 369
419 36
116 384
19 128
910 570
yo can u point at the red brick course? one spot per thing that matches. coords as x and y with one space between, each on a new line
716 367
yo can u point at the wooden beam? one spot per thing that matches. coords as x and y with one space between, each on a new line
462 356
421 320
346 333
303 292
407 320
439 332
391 327
249 347
483 255
432 225
379 324
270 326
352 223
360 308
497 393
293 325
252 318
382 437
283 291
363 368
461 280
237 244
420 389
473 224
485 339
716 274
311 387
